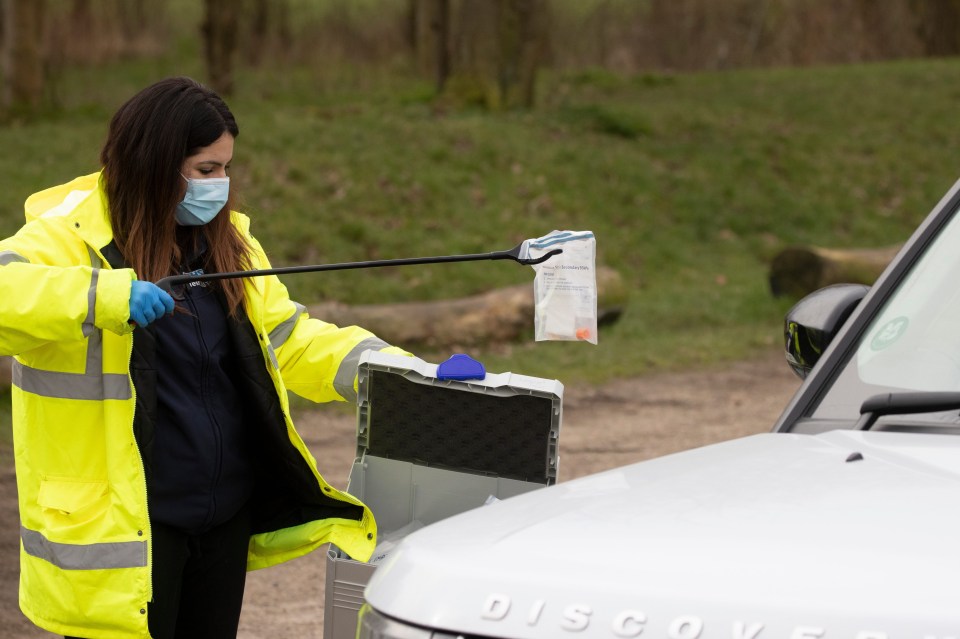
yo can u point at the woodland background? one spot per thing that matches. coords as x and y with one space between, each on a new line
696 138
488 50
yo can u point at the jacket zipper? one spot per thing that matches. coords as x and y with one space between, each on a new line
215 427
147 530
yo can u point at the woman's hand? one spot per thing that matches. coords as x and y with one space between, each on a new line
148 302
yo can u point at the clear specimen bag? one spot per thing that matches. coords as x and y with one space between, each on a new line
565 286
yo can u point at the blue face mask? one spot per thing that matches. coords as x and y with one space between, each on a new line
202 201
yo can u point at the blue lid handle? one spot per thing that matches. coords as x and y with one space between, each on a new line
461 367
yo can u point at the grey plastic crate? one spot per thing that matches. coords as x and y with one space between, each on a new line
428 449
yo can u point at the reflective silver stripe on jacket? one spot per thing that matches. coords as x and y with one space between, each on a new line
282 331
92 384
343 381
89 322
9 257
273 357
123 554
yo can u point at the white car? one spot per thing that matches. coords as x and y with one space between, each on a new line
841 523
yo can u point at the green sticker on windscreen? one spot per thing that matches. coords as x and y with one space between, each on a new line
889 333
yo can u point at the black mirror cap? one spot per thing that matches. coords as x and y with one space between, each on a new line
815 320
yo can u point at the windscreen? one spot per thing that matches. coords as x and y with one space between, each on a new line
913 344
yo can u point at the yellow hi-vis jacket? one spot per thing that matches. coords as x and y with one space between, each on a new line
85 559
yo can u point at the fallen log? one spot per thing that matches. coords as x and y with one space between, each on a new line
799 270
500 315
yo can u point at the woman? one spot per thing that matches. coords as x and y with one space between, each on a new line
156 458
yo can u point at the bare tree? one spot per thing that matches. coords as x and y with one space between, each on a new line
496 48
430 30
220 43
938 23
523 39
22 58
135 19
257 30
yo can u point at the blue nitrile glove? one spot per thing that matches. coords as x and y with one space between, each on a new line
148 302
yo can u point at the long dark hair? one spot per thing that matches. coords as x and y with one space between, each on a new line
149 138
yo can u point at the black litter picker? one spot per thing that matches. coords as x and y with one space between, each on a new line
172 283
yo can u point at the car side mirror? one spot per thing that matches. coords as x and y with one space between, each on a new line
815 320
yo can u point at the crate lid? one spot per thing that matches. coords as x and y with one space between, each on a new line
503 425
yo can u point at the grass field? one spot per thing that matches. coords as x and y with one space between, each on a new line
690 182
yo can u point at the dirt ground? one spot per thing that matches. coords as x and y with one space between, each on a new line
602 427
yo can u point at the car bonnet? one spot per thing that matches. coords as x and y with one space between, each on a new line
842 534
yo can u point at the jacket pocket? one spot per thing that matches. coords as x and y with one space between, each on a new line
70 501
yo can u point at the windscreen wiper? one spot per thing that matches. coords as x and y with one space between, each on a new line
905 404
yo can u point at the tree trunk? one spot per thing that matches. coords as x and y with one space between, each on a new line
938 25
523 38
430 27
22 60
73 42
497 47
258 27
220 43
799 270
135 22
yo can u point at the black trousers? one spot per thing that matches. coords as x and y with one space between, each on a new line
198 580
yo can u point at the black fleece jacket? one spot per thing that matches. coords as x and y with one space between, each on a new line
280 484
